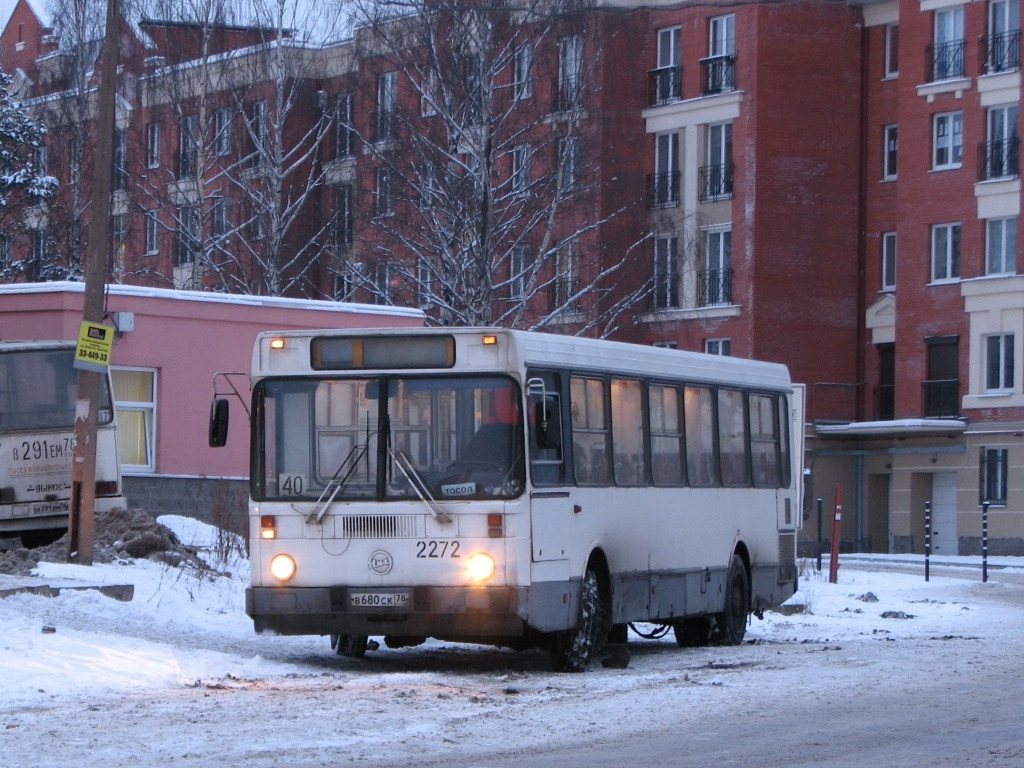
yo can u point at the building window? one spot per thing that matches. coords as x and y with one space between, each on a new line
387 104
344 130
1001 246
135 404
666 81
343 222
566 279
999 363
385 192
994 465
222 131
1001 47
187 148
888 261
517 273
424 283
665 190
120 176
522 72
188 235
891 135
40 249
716 177
521 175
945 252
5 251
387 281
152 232
570 71
153 145
118 238
947 51
568 163
718 71
1000 153
947 140
718 347
666 272
221 217
892 50
715 281
259 132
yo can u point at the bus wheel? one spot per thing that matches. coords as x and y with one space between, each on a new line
572 649
693 632
731 623
352 646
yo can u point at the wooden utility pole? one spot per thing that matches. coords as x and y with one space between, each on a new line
81 521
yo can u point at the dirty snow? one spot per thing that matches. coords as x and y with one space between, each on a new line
178 676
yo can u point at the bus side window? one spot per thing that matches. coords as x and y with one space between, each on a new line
545 417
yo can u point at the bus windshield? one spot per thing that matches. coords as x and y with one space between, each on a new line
37 391
440 438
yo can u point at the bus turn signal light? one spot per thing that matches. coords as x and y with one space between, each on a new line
268 527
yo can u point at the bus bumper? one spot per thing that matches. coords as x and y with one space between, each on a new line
442 612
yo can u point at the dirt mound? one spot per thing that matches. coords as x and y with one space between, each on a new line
118 535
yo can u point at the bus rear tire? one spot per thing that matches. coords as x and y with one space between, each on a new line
351 646
572 650
731 623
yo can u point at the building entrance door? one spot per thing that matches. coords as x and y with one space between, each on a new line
944 536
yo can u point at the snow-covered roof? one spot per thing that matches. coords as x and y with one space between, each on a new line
277 302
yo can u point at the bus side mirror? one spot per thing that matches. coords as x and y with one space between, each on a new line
219 423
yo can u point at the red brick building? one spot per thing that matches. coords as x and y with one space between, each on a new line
832 186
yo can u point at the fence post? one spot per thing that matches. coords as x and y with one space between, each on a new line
819 535
927 539
984 543
837 524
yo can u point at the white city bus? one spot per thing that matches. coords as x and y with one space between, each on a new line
515 488
37 437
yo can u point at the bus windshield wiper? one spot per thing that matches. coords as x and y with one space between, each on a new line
336 485
422 491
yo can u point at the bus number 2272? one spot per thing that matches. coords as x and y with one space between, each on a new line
435 549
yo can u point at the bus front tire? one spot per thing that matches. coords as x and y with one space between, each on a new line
572 650
351 646
731 623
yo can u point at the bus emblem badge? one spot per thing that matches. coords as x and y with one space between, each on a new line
381 562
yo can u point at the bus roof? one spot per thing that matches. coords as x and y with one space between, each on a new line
530 348
25 345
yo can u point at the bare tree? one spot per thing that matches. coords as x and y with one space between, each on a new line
484 205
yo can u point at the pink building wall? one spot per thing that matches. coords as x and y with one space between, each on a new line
186 336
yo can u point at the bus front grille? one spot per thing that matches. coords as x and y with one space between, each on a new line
376 527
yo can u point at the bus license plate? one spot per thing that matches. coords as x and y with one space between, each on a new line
379 599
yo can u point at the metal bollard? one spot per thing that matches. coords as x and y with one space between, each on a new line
927 539
984 542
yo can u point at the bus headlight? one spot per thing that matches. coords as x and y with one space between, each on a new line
481 567
282 567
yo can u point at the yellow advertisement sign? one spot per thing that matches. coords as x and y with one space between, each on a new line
94 344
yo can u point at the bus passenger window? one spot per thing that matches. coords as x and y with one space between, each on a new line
701 465
764 441
630 464
545 418
666 435
589 431
732 438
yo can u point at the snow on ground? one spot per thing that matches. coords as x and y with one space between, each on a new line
177 674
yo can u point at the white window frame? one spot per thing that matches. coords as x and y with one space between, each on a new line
153 145
722 347
722 35
669 47
149 416
890 152
152 231
889 246
946 249
385 192
1001 246
222 131
522 155
667 288
522 72
569 163
892 51
221 215
999 367
517 272
947 140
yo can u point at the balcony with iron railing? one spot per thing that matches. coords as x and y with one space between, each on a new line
715 182
385 125
944 61
998 159
569 93
999 53
940 398
714 287
664 189
717 74
565 296
664 85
